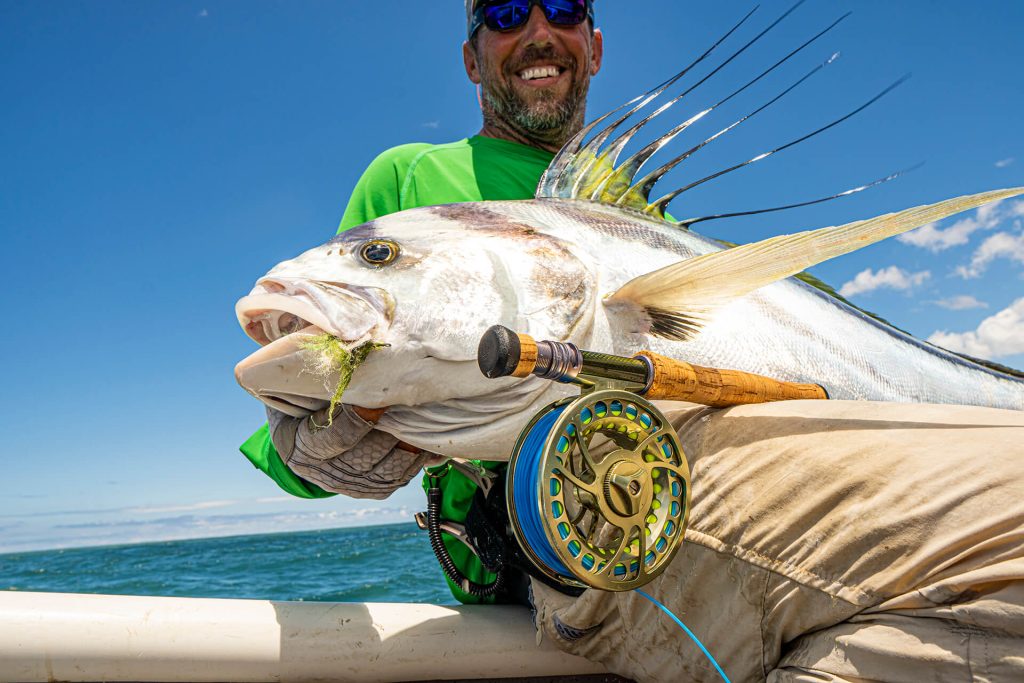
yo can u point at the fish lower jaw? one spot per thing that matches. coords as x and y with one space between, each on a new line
299 373
295 406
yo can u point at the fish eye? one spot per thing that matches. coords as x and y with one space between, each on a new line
379 253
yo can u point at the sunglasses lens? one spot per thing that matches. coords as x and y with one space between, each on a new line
565 12
505 16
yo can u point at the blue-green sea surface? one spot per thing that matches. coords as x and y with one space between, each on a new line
391 563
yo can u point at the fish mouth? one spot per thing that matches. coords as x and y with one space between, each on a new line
284 316
278 307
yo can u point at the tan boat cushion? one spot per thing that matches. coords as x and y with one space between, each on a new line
830 541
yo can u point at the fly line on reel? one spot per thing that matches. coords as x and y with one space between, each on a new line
599 490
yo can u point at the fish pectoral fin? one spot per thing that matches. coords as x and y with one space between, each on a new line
675 301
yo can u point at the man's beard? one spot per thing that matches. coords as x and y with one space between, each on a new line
548 112
547 115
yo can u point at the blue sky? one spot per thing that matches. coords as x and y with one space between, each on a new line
158 157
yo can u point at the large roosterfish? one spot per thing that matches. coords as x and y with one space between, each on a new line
591 260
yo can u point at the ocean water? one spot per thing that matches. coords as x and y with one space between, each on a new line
392 563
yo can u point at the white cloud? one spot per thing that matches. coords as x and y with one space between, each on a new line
203 13
936 239
999 335
431 124
891 277
962 302
26 538
191 507
1003 163
999 245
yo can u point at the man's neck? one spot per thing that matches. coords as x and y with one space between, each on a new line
549 141
514 136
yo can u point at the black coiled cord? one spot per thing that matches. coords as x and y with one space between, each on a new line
478 590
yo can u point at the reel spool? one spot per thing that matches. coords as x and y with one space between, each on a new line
601 515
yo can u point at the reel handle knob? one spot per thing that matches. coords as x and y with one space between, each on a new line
504 353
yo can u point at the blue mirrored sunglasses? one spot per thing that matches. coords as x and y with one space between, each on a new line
511 14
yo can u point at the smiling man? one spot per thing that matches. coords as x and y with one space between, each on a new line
533 61
533 64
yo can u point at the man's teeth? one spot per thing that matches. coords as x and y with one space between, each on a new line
535 72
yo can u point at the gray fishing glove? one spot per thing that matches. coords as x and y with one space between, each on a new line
347 456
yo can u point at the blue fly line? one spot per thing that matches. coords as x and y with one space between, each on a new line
683 626
525 491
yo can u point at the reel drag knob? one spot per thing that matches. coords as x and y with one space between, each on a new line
624 488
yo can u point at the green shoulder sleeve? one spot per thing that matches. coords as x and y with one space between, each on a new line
261 453
379 190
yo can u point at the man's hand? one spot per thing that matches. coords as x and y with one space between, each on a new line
371 415
347 456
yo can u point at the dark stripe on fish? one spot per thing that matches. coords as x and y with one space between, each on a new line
359 233
673 325
482 217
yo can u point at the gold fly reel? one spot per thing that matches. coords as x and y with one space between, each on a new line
612 488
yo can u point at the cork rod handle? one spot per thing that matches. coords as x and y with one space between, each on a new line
676 380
